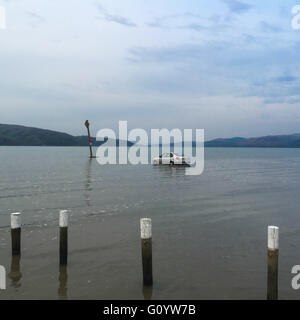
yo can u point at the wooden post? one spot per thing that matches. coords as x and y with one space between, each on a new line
16 222
87 124
273 252
63 237
146 239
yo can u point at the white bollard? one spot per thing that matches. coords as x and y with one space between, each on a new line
2 278
273 253
16 223
63 218
273 238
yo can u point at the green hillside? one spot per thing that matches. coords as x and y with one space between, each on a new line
15 135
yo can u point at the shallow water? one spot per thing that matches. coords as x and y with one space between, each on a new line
209 231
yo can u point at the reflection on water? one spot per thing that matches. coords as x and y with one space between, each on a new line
15 274
167 171
147 292
63 282
88 183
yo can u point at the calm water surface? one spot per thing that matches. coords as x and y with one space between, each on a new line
209 231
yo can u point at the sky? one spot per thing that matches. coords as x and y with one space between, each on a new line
229 67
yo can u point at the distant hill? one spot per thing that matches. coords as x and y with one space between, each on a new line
282 141
15 135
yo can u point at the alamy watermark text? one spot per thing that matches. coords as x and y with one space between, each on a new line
187 146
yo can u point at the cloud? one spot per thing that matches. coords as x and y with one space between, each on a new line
36 18
267 27
114 18
215 68
190 21
183 73
166 21
187 20
214 27
119 20
156 23
236 6
285 79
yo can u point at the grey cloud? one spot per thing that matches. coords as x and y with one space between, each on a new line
114 18
280 100
215 68
190 21
35 17
236 6
285 79
212 28
119 19
162 22
195 26
267 27
176 54
155 24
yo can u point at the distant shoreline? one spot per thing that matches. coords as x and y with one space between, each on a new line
17 136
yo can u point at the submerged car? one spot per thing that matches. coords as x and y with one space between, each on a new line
171 159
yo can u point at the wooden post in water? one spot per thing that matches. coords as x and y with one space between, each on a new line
16 221
63 237
146 239
273 252
87 124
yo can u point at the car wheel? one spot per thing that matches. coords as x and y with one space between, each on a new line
155 162
171 163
